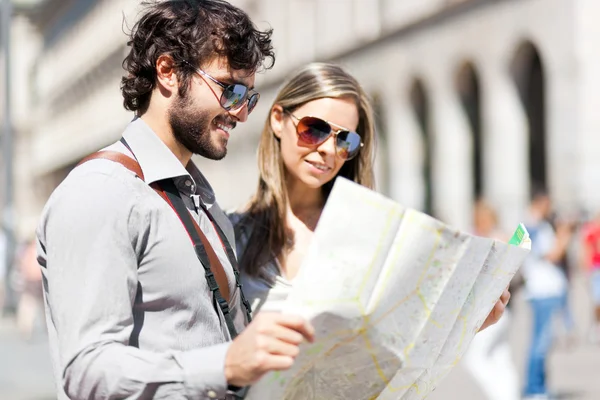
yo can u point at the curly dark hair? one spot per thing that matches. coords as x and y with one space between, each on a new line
191 31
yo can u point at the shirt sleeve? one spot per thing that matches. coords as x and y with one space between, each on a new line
90 240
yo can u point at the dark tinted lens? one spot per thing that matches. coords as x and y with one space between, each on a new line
313 131
348 144
252 102
234 96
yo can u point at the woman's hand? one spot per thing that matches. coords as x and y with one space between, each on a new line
497 311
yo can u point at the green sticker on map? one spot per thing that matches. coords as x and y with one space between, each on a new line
519 235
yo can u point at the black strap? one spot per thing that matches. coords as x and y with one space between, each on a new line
170 189
180 208
239 393
232 259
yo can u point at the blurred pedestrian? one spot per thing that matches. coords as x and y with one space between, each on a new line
30 304
566 323
489 358
3 269
545 286
591 256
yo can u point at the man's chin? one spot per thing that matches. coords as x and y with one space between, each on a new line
216 156
214 153
219 156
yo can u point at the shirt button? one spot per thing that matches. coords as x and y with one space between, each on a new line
212 394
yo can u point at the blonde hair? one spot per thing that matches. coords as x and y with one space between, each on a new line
266 211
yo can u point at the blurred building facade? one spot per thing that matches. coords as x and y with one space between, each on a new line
474 97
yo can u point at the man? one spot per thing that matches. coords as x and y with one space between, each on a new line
129 305
545 286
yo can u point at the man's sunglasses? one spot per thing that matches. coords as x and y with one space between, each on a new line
234 95
314 131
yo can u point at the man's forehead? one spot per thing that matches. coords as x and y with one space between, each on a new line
219 68
244 76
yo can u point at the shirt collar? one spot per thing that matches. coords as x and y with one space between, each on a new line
158 162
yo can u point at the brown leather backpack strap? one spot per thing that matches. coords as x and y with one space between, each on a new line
215 264
117 157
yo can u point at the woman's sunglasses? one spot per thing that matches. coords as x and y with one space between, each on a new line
314 131
234 95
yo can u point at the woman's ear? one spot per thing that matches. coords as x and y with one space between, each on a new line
277 120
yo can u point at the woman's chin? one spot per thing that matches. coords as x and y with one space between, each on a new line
315 182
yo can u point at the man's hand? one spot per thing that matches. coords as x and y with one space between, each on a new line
269 343
497 311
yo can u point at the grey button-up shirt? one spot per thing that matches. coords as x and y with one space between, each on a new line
128 308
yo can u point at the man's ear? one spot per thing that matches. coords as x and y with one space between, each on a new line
166 77
277 120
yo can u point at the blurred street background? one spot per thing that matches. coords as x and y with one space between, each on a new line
493 100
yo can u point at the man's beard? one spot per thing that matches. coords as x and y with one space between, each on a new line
191 128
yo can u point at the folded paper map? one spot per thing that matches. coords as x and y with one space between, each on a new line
395 297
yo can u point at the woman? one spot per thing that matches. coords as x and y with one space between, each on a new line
321 126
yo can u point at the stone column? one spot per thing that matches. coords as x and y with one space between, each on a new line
506 177
587 38
452 154
26 45
405 147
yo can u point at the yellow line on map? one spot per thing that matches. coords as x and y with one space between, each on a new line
428 311
392 215
374 357
394 261
363 332
420 280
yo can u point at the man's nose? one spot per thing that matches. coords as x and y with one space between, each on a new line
241 114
